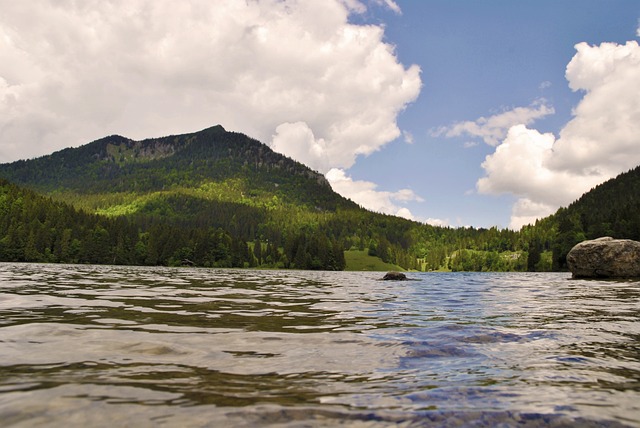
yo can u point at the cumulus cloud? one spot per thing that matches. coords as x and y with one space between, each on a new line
520 166
598 143
298 141
494 128
365 194
294 74
602 138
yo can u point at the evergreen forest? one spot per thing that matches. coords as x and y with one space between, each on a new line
221 199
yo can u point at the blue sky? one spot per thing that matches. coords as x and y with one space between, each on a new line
479 58
461 113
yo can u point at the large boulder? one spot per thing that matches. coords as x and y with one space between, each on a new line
605 258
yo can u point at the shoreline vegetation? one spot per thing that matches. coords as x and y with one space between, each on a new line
221 199
34 228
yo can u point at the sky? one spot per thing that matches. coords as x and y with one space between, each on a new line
457 113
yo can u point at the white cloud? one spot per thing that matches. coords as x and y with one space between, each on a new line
298 142
602 138
470 144
408 137
324 89
526 211
355 6
391 5
545 85
438 222
493 129
520 166
365 194
599 142
404 212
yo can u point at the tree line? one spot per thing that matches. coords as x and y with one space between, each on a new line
181 230
34 228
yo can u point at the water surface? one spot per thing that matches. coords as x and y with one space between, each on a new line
132 346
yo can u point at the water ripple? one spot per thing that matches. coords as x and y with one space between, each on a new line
205 347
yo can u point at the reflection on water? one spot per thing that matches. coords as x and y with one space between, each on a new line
110 346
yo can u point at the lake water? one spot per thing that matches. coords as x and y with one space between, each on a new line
130 346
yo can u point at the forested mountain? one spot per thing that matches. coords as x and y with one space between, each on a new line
212 161
181 194
610 209
218 198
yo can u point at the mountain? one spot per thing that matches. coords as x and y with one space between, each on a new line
210 198
218 198
212 161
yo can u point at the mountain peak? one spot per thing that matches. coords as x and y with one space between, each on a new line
237 164
217 129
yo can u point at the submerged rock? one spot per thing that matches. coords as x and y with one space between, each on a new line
394 276
605 258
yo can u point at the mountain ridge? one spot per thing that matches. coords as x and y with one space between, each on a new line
119 164
219 198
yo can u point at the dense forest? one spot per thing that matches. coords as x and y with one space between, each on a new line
218 198
610 209
37 229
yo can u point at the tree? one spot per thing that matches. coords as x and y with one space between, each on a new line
533 256
257 251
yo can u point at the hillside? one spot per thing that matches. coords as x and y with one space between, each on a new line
35 228
610 209
218 198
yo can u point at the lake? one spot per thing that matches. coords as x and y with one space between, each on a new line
140 346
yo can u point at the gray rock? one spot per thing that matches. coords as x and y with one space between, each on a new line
605 258
394 276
